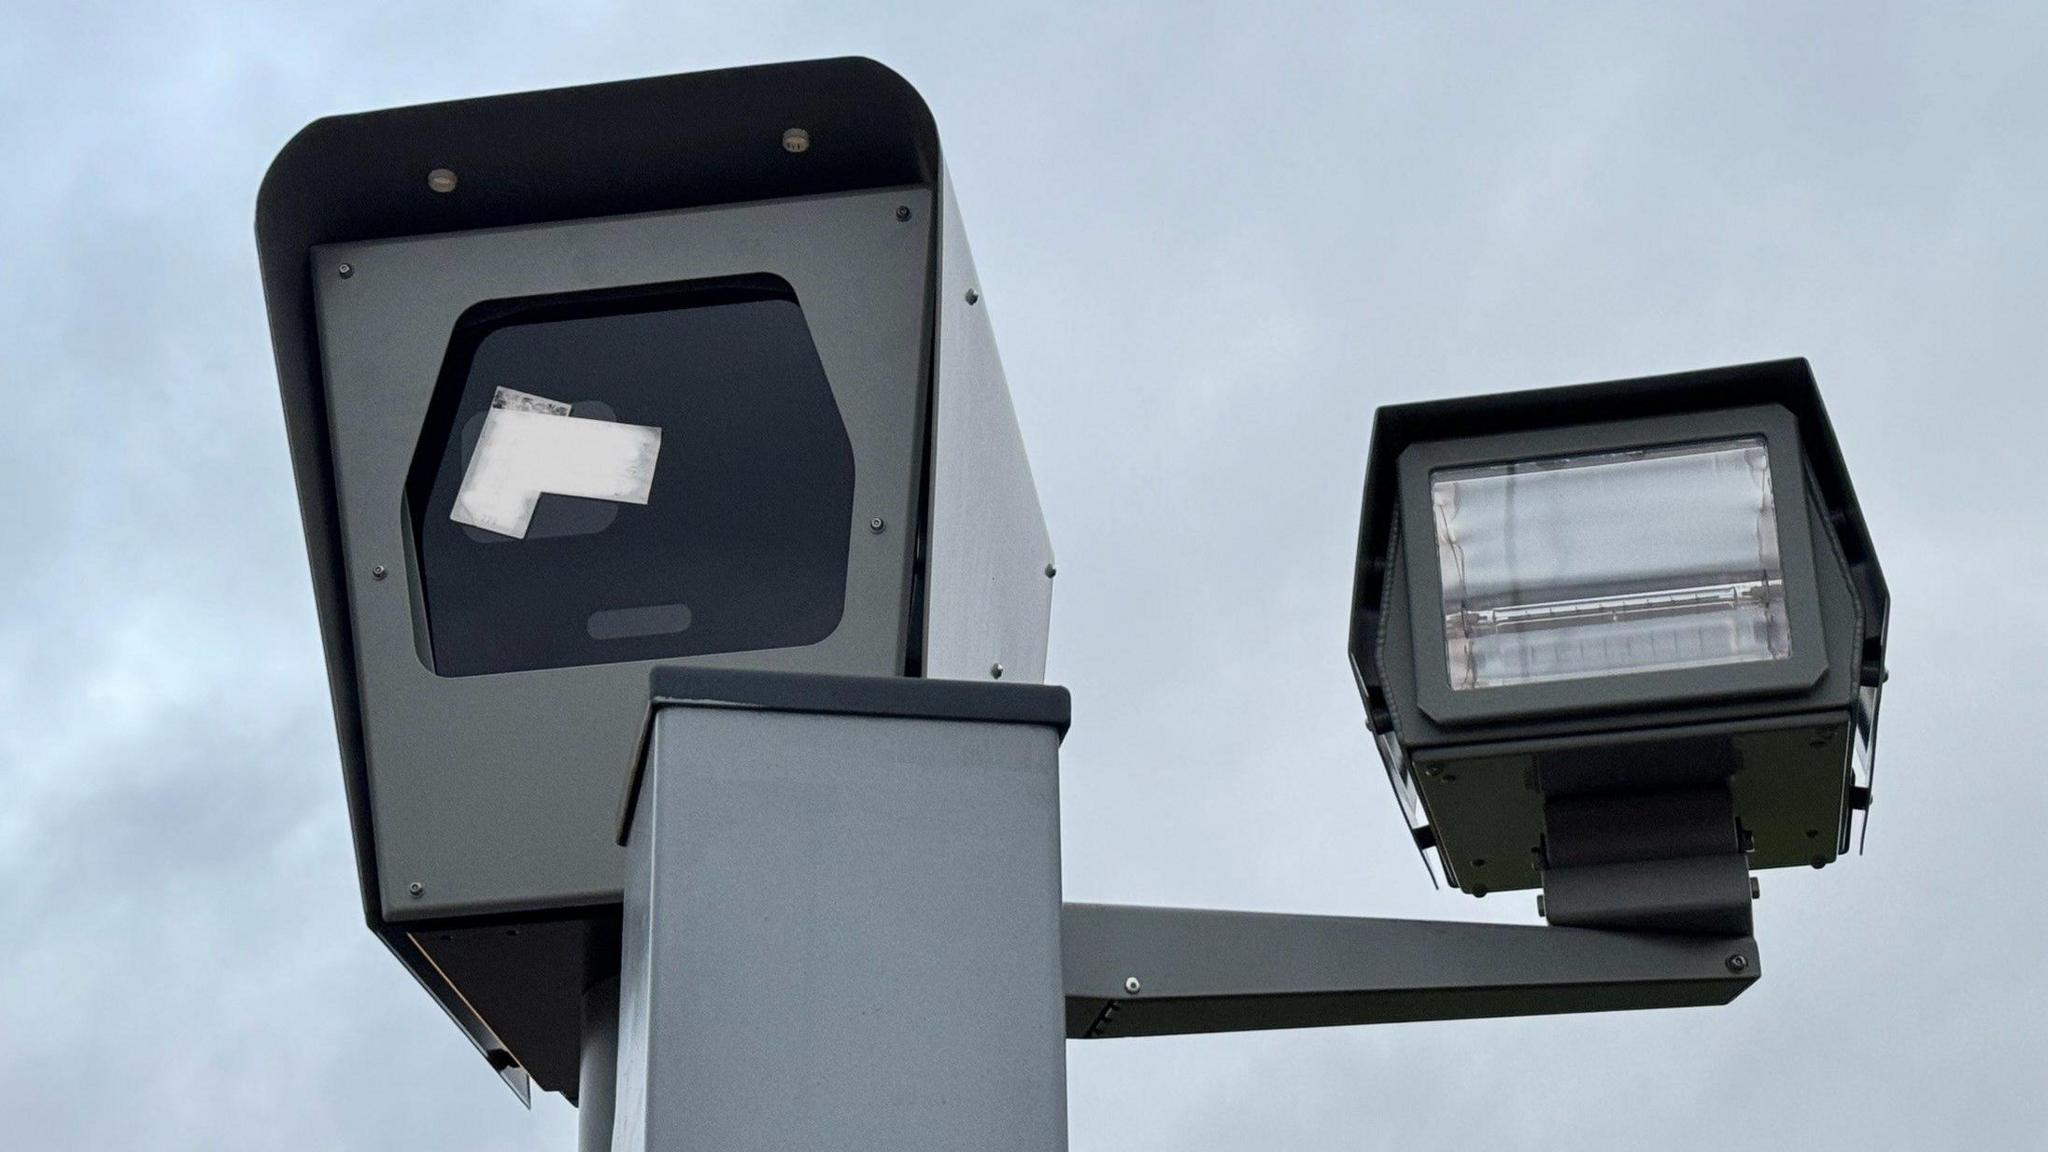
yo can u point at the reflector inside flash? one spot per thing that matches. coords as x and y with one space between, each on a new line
1609 564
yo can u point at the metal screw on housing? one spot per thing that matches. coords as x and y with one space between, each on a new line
1738 962
1051 571
1132 986
378 572
903 212
995 671
416 888
973 296
875 525
346 270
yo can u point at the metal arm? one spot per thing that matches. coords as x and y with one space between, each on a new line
1132 971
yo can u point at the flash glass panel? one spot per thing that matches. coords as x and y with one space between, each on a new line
742 543
1610 563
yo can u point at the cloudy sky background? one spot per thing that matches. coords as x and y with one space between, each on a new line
1213 240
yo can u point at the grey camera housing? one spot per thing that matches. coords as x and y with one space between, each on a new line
1480 774
484 801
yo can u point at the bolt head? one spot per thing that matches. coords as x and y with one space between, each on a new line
416 888
796 140
1737 962
378 572
995 671
441 180
973 296
1131 985
876 525
346 271
902 212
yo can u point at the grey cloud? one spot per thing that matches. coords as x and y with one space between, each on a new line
1213 241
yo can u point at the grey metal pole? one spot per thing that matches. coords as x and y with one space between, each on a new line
598 1074
842 931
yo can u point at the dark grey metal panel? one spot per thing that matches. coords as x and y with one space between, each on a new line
474 799
842 932
1204 971
990 576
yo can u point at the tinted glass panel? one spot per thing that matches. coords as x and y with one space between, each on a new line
710 514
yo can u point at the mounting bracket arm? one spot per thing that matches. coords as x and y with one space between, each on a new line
1136 971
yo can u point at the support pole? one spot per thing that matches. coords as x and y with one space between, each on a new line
598 1073
842 930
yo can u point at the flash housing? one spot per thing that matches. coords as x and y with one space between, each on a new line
1485 774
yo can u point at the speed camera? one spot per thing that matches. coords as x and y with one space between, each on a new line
692 370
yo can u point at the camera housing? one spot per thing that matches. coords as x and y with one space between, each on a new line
693 370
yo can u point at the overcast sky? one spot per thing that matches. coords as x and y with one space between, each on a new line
1213 241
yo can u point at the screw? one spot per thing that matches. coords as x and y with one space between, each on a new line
415 888
346 270
1132 986
441 180
995 671
378 573
1737 962
796 140
875 525
1051 571
973 296
902 212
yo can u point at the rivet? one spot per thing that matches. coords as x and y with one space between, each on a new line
346 270
416 888
1132 986
876 525
995 671
441 180
796 140
902 213
1738 962
378 573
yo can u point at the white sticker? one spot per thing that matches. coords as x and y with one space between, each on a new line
531 445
